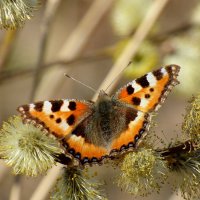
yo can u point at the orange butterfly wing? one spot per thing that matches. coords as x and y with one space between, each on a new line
149 91
84 151
145 94
60 117
129 139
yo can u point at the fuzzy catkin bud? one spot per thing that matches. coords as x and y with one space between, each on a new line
184 164
73 185
13 13
191 124
142 172
26 148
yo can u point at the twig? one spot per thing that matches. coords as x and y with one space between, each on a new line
70 50
3 171
6 46
132 47
16 189
49 13
10 73
46 184
178 30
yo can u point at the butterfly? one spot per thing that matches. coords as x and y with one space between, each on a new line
92 131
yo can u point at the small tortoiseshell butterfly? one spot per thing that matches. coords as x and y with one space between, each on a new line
92 131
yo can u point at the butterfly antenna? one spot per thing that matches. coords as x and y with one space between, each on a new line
118 75
89 87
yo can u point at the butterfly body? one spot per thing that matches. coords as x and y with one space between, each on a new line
92 131
108 118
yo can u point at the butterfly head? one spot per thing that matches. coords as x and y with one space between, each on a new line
102 94
103 102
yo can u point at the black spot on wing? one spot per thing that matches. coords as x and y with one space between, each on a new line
147 96
85 160
136 138
23 108
158 74
79 130
56 105
130 115
141 131
130 89
94 159
71 151
71 120
151 89
136 101
131 144
143 81
58 120
78 155
39 106
123 147
72 105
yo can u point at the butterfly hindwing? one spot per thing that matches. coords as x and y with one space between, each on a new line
84 151
129 138
147 92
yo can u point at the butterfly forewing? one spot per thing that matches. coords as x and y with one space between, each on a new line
58 117
147 92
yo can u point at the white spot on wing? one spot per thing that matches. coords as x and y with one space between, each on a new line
76 138
64 107
47 107
163 70
144 102
21 109
151 79
136 86
31 106
173 68
63 125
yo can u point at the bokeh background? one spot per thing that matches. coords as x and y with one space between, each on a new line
84 38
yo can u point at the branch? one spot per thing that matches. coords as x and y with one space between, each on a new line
10 73
6 46
16 189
